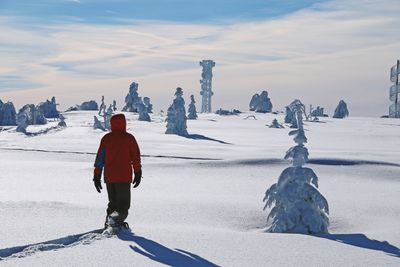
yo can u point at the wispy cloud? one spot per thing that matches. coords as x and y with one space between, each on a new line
334 50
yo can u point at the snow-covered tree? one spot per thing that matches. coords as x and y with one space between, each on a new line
291 111
143 112
132 98
192 109
254 102
176 115
114 106
8 116
341 110
89 105
298 206
34 115
49 108
149 106
261 103
264 103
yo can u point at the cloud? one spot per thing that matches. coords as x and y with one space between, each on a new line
334 50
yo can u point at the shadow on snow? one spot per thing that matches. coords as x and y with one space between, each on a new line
362 241
162 254
202 137
145 247
349 162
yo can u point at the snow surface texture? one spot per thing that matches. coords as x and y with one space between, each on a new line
298 206
199 201
176 115
261 103
341 110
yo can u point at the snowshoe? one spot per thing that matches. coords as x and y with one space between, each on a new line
112 225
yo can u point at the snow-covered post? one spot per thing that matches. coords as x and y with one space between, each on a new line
192 109
176 116
341 110
206 85
298 205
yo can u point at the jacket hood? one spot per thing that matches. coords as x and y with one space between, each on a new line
118 123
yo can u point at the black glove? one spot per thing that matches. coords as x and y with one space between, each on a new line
97 184
138 178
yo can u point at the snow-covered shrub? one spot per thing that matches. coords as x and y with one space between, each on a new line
8 116
298 206
276 124
254 102
341 110
176 115
192 109
89 105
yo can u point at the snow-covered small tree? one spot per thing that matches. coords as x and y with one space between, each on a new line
176 115
298 206
276 124
114 105
192 109
61 123
291 111
341 110
132 98
254 102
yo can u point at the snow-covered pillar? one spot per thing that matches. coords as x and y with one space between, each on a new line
206 85
394 109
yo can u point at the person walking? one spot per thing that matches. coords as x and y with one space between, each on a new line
119 156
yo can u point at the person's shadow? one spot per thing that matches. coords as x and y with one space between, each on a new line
145 247
162 254
362 241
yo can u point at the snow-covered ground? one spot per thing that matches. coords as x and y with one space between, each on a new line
200 201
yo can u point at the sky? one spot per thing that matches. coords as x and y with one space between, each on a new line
316 51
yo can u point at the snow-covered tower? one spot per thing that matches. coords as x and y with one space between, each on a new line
394 109
298 205
206 85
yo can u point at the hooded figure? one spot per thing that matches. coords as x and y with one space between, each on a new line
119 155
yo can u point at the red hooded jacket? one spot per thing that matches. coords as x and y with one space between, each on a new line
118 153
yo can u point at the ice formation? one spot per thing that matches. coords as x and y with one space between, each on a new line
261 103
176 115
298 206
8 116
276 124
49 108
192 109
89 105
341 110
206 85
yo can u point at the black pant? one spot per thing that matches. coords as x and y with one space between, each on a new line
119 199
